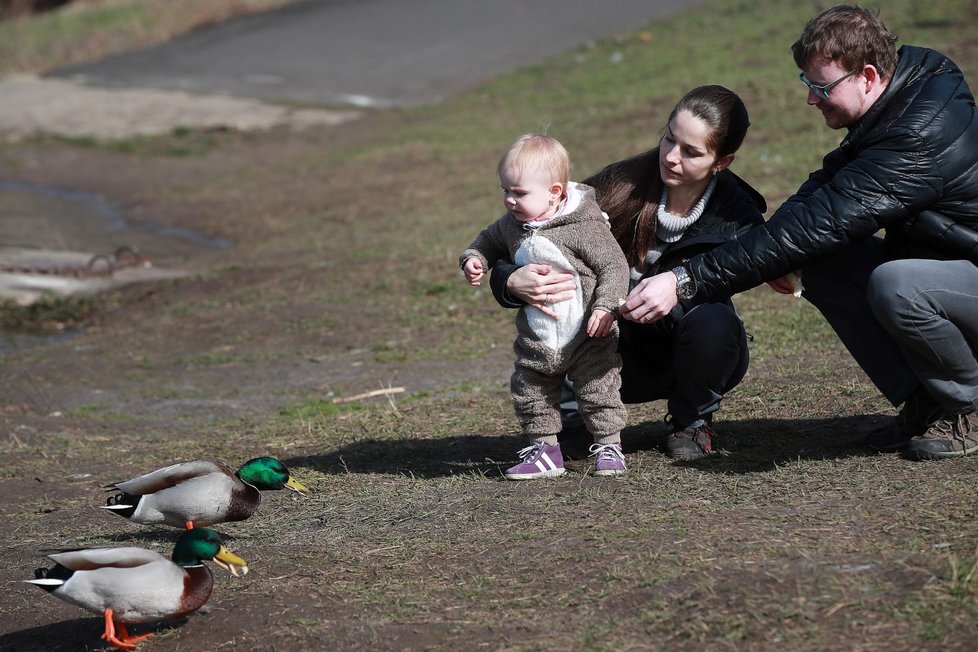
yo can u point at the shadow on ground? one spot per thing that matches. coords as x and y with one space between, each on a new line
745 447
74 635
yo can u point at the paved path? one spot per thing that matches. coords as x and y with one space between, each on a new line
312 63
371 52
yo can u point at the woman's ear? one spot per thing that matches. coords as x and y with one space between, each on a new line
723 163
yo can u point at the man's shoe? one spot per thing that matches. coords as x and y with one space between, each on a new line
539 461
608 459
691 443
954 435
916 415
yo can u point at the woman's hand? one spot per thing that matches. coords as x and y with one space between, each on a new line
652 299
535 286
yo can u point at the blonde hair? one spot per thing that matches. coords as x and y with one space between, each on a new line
537 152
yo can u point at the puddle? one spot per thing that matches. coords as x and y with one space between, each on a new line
43 218
34 216
13 342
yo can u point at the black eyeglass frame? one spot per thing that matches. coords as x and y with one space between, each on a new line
823 90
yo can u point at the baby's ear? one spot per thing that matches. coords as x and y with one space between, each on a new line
557 189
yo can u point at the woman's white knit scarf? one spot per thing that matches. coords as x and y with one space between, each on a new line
670 228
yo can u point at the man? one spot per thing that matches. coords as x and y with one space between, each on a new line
905 306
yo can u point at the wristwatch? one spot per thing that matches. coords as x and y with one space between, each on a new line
685 286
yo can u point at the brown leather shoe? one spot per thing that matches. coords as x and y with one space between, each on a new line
916 415
953 435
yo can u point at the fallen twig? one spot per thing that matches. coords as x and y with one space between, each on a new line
387 391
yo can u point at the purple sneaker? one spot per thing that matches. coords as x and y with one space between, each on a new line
539 461
608 459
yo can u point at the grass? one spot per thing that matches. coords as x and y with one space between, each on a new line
50 313
793 538
85 30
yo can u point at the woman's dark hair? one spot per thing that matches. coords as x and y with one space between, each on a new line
629 190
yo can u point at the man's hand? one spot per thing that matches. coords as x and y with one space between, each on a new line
787 284
652 299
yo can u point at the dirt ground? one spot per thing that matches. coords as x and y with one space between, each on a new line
217 353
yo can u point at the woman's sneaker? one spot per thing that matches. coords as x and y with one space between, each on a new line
539 461
608 459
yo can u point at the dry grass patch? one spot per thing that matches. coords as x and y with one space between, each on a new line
87 30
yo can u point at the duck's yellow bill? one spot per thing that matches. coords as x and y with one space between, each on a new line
297 486
231 562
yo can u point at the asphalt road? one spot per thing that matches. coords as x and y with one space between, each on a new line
370 53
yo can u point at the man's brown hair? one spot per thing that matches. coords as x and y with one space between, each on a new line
851 35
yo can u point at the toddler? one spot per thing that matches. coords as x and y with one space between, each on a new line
551 220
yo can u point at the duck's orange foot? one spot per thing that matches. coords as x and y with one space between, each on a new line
115 642
126 638
126 642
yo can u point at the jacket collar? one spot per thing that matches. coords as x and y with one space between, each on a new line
910 64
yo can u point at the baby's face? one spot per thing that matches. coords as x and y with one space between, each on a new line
529 194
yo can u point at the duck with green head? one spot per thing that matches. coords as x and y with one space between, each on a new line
199 493
136 585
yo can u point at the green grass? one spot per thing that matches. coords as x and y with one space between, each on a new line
317 410
51 312
59 30
85 30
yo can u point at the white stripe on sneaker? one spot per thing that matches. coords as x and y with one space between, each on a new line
537 463
550 463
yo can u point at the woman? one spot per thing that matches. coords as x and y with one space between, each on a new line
666 205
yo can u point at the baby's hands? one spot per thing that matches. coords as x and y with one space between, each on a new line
473 271
599 325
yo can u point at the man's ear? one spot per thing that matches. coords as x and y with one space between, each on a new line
872 77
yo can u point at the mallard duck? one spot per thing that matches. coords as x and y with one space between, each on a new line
199 493
135 585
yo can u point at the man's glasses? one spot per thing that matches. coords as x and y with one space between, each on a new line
823 90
